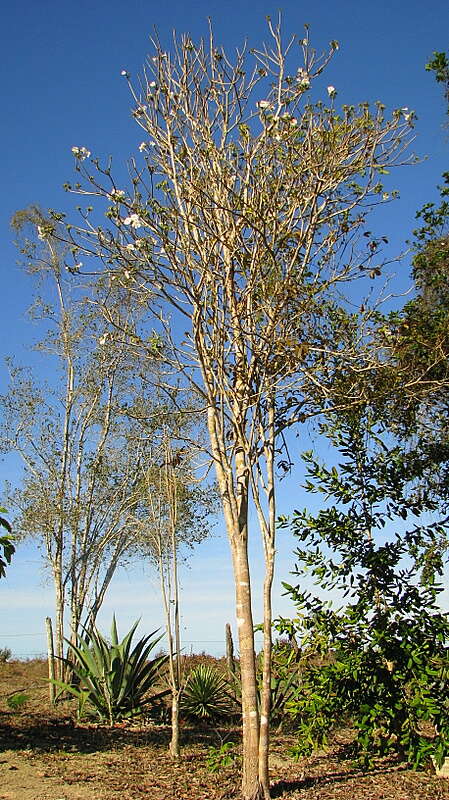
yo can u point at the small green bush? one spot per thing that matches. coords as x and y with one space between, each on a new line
17 701
5 654
219 758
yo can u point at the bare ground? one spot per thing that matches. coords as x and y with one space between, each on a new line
46 755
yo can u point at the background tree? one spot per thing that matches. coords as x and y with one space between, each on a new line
245 222
439 64
82 456
415 339
171 516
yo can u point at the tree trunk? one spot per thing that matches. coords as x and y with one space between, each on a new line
251 786
265 700
59 623
51 659
229 652
174 741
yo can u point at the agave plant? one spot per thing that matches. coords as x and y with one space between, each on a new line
112 678
206 694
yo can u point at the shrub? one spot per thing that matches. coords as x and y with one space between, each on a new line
5 654
384 655
17 701
218 758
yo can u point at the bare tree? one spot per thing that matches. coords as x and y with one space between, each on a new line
172 515
82 456
244 228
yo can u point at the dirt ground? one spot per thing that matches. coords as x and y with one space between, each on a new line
46 755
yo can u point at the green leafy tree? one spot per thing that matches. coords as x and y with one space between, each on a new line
439 64
383 656
6 544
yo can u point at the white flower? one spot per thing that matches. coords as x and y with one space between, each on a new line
293 121
133 220
124 73
81 152
331 91
263 104
143 146
286 116
140 242
117 194
303 78
102 339
152 85
41 232
130 247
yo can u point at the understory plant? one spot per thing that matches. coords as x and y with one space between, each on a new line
207 695
218 758
114 680
382 659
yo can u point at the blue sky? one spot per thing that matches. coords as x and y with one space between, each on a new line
62 87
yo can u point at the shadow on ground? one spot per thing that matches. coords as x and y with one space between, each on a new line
43 735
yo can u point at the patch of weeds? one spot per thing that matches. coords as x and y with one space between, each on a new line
17 701
219 758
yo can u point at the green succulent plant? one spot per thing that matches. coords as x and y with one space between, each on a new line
113 678
206 694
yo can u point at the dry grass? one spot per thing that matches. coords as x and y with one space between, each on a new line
48 755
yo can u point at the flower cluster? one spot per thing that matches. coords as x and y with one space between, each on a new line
407 114
81 152
117 194
303 79
133 220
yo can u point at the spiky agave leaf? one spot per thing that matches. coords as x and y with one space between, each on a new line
206 694
113 678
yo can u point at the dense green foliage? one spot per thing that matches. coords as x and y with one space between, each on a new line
439 64
382 659
113 679
6 545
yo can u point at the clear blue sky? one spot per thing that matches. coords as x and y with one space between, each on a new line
62 87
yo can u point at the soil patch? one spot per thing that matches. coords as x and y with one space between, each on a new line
46 755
